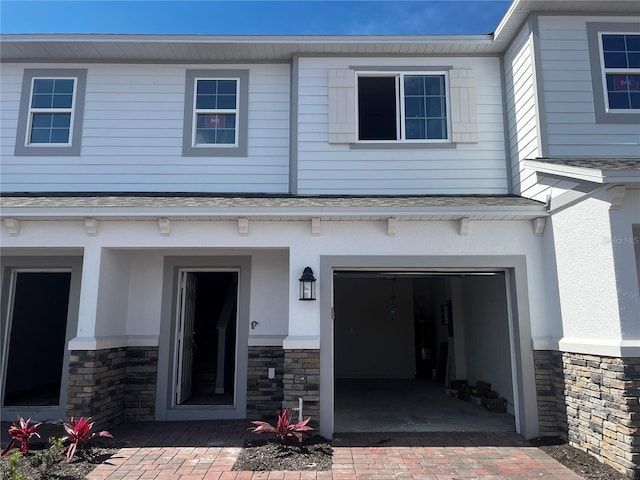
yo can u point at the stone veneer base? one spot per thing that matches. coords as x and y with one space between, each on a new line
264 395
302 380
112 385
593 402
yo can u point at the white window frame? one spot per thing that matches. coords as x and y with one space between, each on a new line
612 71
35 110
224 111
400 109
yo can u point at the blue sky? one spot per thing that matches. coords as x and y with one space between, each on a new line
253 17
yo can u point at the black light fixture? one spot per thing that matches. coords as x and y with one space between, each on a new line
307 285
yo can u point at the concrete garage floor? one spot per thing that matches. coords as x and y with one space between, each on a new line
409 406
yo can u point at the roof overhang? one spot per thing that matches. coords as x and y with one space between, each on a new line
592 170
253 48
269 208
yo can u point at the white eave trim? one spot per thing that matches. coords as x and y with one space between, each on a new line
593 175
122 213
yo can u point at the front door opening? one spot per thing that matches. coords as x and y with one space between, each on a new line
206 338
400 337
34 351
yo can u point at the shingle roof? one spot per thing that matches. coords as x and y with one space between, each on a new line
270 207
275 202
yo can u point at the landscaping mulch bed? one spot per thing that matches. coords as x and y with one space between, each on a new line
579 462
79 467
267 455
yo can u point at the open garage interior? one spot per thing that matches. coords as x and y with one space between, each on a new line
402 337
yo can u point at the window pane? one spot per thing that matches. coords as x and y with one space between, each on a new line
226 102
61 120
226 136
40 135
226 87
413 85
50 127
436 129
416 129
619 100
434 85
414 107
229 121
52 93
62 101
60 135
634 60
205 136
426 113
206 87
377 108
615 59
613 43
633 43
216 94
43 85
41 120
635 100
435 106
206 102
215 129
63 85
42 101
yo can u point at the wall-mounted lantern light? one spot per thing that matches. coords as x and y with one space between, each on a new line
307 285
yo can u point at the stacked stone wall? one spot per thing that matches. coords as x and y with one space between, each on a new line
302 380
112 385
593 402
140 383
96 385
264 395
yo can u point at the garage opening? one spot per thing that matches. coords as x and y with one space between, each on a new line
405 341
206 338
36 330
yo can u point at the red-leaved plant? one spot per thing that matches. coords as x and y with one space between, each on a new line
78 434
21 433
285 431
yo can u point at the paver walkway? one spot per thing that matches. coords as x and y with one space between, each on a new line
208 450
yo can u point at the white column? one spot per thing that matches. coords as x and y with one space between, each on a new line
87 310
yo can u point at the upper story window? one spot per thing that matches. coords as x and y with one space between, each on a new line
216 109
51 110
427 107
215 117
621 61
402 107
614 57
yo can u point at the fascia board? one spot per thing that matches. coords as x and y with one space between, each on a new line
232 213
593 175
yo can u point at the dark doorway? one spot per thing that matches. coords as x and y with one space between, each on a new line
38 324
207 338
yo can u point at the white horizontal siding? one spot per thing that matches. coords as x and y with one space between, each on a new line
566 80
336 168
132 135
521 106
